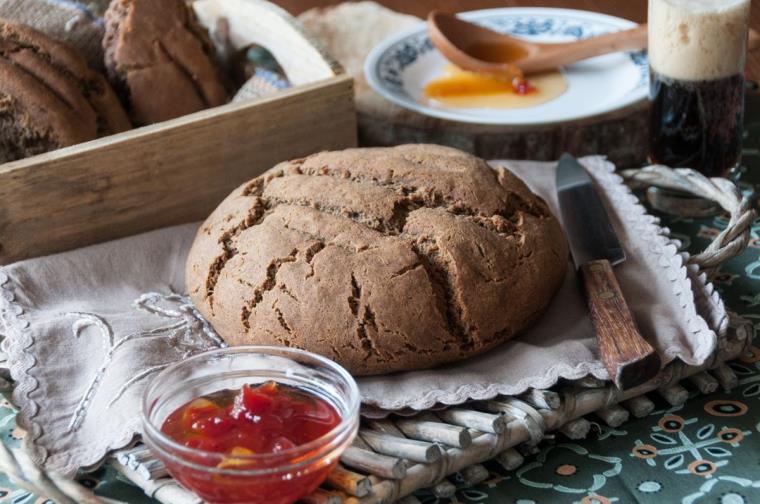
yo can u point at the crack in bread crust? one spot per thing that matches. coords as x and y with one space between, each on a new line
438 272
184 71
497 223
269 283
257 214
436 199
283 323
365 323
466 252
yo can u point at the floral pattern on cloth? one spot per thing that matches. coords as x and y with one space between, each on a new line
586 472
678 447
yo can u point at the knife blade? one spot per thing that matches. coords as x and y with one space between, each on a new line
590 232
595 248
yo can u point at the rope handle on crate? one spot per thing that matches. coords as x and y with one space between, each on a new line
730 242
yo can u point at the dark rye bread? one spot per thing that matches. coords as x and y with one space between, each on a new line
49 97
32 119
161 59
383 259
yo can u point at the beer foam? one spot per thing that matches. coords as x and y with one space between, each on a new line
698 39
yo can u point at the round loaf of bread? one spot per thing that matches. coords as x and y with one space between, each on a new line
382 259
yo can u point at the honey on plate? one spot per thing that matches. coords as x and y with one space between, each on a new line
458 88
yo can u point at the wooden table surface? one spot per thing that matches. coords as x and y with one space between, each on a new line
634 10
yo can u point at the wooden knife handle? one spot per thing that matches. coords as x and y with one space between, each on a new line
629 359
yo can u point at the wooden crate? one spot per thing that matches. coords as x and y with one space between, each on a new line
179 170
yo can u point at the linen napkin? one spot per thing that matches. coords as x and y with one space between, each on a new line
86 329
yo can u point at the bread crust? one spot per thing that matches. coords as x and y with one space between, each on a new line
49 97
67 74
383 259
158 56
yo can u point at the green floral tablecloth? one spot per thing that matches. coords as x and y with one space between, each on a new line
706 451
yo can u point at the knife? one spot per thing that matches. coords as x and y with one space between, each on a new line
595 248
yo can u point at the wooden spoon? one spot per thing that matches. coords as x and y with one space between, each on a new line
472 47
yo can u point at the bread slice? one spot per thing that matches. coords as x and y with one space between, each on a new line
160 59
33 119
66 72
50 97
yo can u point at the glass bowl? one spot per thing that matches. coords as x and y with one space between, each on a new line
272 478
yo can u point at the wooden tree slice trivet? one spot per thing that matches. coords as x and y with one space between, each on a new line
350 30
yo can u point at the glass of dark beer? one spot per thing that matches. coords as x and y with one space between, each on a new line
697 52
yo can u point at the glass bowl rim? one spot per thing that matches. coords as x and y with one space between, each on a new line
348 422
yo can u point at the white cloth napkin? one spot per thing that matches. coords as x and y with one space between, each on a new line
86 329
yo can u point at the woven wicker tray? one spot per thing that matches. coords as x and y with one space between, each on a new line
393 457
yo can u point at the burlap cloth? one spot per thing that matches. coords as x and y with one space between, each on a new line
85 330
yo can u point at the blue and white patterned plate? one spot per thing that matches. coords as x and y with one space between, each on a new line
399 67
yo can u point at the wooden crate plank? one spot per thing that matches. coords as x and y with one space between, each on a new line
164 174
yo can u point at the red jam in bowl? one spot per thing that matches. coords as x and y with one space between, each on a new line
246 437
